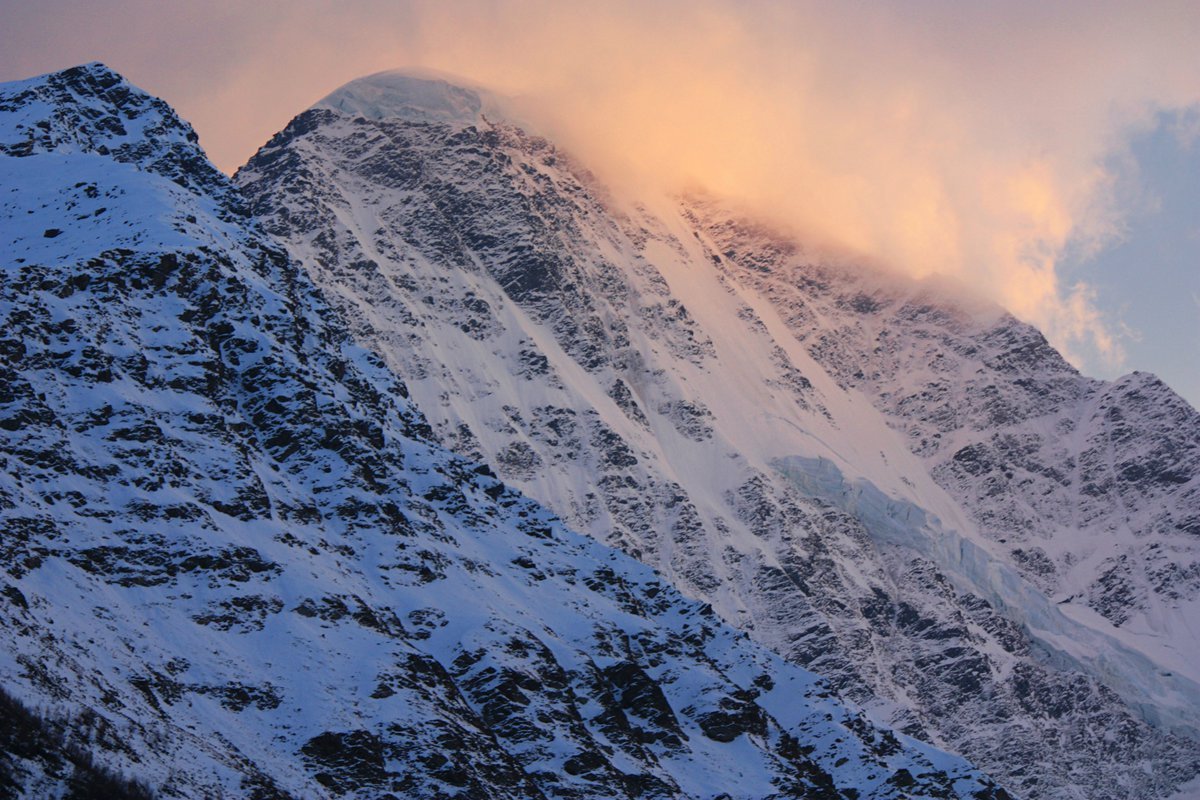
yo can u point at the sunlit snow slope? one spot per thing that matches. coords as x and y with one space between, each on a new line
682 383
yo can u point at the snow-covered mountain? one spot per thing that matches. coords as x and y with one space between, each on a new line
1091 489
236 563
908 493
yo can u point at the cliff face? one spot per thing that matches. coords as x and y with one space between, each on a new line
235 561
916 498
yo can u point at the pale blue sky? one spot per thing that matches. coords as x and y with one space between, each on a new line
1150 279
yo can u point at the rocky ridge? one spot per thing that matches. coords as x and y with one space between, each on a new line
1091 489
674 381
236 562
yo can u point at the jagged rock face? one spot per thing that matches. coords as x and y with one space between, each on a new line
1090 488
58 113
649 379
234 562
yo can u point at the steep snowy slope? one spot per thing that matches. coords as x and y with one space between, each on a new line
615 365
234 563
1090 489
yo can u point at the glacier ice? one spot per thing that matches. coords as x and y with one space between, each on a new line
1163 698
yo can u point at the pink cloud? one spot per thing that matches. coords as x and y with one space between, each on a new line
963 139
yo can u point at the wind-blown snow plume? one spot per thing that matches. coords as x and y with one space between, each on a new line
940 137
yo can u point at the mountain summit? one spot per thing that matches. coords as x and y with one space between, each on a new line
924 504
235 561
402 95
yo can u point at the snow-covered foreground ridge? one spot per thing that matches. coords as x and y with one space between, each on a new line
235 563
643 369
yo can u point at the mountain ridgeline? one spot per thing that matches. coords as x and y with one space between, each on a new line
913 496
236 562
411 464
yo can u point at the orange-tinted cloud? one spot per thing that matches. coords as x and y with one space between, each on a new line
937 136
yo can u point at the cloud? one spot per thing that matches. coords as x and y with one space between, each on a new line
974 140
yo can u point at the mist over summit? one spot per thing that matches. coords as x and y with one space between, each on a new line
397 94
659 377
999 144
334 480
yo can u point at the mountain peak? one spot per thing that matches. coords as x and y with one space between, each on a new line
397 94
93 78
93 71
91 108
377 616
90 84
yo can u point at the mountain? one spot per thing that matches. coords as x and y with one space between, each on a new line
905 491
235 562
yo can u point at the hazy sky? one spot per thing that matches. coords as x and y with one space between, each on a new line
1045 153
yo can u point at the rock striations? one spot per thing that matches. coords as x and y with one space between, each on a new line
235 562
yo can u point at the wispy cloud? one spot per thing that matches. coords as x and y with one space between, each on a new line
969 139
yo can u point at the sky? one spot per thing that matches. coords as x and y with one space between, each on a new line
1043 153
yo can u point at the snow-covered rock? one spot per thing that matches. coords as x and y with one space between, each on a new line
655 374
1089 489
398 95
234 561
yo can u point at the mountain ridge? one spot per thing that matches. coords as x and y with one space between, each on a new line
233 550
641 374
